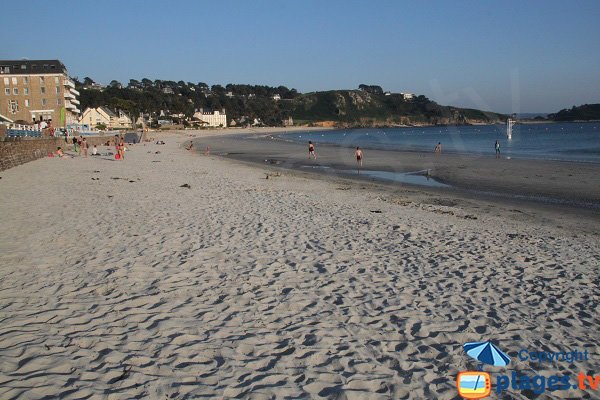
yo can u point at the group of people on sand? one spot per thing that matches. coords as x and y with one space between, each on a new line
81 146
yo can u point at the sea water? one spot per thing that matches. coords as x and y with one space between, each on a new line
550 141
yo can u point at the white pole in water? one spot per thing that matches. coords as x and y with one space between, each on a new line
509 126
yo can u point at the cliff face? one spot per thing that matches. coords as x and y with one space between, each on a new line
355 108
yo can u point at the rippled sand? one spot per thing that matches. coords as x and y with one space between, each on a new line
246 287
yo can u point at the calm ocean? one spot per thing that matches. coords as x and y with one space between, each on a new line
557 141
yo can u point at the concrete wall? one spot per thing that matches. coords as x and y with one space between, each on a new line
17 151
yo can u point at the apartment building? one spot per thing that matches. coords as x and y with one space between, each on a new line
37 90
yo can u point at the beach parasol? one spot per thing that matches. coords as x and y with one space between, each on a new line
487 353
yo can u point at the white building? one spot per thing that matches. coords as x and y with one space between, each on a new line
214 119
106 117
407 96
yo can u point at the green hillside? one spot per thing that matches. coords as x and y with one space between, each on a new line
244 104
360 108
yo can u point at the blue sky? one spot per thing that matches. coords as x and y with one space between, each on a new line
505 56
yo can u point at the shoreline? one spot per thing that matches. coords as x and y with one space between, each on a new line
568 182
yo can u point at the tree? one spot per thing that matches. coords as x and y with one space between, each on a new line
373 89
87 81
115 84
147 83
127 106
134 84
218 90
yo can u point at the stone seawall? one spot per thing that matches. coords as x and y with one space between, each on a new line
17 151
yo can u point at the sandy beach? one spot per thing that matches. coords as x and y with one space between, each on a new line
174 275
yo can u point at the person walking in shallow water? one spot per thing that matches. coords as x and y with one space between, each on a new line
359 158
311 150
438 148
497 147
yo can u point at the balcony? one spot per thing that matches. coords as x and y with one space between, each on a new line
69 95
70 83
75 101
75 92
70 106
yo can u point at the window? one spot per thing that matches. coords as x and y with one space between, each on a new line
15 90
58 102
14 80
58 90
13 106
23 66
56 80
6 81
42 81
34 66
45 66
26 90
7 91
25 80
44 102
26 102
43 89
4 69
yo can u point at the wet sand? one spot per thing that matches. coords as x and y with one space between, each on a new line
568 182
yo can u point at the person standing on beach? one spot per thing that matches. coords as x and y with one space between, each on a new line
497 147
359 158
84 147
311 150
121 149
438 148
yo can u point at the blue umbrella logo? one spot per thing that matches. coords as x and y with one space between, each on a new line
487 353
